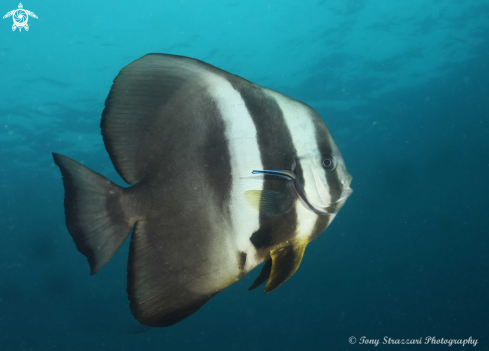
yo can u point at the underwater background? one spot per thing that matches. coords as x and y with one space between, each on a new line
403 87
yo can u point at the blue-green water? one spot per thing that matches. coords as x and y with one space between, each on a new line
404 89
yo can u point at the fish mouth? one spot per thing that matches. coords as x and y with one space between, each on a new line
291 176
346 193
338 204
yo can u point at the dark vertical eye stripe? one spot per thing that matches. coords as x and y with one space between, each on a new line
332 177
277 151
335 186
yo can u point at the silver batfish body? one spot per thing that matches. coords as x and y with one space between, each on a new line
224 175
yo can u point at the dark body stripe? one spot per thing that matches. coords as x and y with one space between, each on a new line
322 223
182 191
277 151
192 159
217 162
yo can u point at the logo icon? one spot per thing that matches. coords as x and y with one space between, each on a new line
20 17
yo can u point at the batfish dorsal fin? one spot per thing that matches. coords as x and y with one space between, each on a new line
285 262
133 121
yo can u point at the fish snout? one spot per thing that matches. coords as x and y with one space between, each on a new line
346 181
347 191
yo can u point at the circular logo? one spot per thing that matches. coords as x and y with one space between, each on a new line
352 340
20 17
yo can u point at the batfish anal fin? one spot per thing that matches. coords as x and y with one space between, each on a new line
269 202
98 216
169 276
264 275
285 262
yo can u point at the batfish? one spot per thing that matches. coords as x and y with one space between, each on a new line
224 175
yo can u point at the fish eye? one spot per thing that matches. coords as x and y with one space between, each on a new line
329 163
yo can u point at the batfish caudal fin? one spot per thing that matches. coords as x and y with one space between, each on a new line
94 210
285 262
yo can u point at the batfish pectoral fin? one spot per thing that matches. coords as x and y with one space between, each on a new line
264 275
285 262
269 202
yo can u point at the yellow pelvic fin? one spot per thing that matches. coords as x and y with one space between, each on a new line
285 262
264 274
